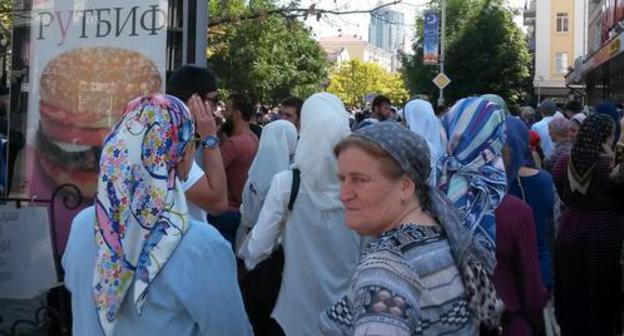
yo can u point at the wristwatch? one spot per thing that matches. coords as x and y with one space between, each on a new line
209 142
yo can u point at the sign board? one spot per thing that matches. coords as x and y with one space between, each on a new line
441 80
26 258
87 60
612 49
80 62
431 45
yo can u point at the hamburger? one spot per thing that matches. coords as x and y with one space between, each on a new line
83 93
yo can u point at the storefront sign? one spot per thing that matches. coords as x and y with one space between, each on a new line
26 258
431 45
607 52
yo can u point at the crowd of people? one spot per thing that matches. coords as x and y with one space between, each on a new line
216 218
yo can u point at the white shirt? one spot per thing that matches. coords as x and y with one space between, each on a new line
320 254
541 128
195 174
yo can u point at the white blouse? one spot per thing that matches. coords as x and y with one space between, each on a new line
320 254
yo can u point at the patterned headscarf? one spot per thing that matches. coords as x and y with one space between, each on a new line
472 173
588 147
608 108
411 152
518 142
496 99
559 126
140 207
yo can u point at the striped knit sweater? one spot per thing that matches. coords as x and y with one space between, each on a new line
406 283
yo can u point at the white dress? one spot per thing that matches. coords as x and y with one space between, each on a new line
320 254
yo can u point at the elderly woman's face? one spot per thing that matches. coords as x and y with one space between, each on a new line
372 201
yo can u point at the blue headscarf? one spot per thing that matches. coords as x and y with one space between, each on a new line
472 173
518 143
496 99
609 108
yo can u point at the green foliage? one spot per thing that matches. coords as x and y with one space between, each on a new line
485 53
352 81
269 58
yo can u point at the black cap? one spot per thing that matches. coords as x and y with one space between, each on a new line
191 79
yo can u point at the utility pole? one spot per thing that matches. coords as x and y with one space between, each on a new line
442 38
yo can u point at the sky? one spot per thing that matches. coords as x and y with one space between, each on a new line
357 24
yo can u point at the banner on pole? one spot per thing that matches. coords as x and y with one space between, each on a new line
431 45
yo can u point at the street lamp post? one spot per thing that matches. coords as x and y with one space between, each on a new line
442 37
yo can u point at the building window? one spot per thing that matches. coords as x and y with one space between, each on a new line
561 60
562 22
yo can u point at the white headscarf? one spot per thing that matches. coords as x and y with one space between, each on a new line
277 147
421 120
324 122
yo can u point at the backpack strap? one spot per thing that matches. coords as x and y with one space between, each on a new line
294 189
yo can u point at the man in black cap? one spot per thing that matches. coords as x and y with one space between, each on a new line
206 188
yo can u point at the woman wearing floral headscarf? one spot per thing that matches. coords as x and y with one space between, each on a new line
149 269
589 243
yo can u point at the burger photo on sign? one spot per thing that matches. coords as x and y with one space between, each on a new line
83 93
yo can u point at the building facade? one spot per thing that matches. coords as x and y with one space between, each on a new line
356 48
601 67
387 29
557 32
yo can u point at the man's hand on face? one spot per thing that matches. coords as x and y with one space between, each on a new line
204 118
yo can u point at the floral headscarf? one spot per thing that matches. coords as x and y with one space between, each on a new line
472 173
140 207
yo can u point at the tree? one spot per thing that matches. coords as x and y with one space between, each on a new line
485 53
351 81
269 58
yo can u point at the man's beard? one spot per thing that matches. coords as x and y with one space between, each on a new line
228 127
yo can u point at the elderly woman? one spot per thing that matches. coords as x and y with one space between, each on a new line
320 252
421 119
412 278
560 130
589 243
136 263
